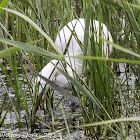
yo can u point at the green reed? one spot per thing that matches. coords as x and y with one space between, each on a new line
27 45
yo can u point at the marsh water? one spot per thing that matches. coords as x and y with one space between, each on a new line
72 113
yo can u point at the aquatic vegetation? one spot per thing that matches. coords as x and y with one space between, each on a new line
102 102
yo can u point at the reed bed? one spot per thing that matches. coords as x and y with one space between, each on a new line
107 100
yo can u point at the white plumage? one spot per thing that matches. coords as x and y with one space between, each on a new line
65 37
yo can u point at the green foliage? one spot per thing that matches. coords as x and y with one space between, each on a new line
27 34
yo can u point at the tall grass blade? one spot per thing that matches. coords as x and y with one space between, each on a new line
64 117
30 48
57 88
119 47
132 20
108 59
6 52
134 118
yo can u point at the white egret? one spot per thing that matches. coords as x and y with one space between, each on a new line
64 38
